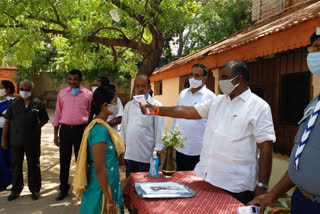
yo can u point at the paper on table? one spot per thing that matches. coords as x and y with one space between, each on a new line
163 188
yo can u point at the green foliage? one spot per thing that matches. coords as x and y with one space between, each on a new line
218 20
173 138
59 35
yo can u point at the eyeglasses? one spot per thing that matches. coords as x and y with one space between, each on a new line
25 89
194 75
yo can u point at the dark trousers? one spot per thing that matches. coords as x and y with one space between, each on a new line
300 204
34 176
186 162
69 136
243 197
134 166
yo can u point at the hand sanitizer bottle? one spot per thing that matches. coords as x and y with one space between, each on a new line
154 165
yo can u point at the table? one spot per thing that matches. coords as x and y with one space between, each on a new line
208 198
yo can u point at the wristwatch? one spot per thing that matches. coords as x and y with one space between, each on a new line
262 185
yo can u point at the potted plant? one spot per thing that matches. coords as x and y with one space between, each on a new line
172 139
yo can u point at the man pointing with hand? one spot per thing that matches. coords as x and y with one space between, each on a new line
239 127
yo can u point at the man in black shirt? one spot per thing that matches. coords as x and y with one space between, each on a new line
24 118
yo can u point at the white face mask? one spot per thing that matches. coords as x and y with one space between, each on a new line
226 86
25 94
94 88
195 83
2 92
313 61
113 109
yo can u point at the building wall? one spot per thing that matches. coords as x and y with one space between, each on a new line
47 89
170 93
263 9
8 74
315 85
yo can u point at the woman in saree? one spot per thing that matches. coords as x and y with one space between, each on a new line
6 94
97 179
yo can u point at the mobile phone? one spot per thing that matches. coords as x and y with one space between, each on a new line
248 210
142 100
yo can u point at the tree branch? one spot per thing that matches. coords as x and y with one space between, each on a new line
14 43
115 56
119 42
13 18
58 18
190 28
141 35
111 28
53 31
64 26
130 11
10 26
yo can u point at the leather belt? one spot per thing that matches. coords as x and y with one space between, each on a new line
75 126
314 198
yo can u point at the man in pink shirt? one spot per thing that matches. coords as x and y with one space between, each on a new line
71 116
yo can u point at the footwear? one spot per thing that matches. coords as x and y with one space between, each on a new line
9 187
35 195
13 195
61 195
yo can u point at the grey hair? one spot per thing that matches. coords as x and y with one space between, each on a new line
28 82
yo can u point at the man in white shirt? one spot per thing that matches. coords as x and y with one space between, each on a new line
237 145
113 121
192 130
141 133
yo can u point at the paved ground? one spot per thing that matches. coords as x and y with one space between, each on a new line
50 183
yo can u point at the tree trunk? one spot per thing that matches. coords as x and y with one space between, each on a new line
181 43
152 54
150 61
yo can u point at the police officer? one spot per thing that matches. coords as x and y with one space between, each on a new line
305 156
24 118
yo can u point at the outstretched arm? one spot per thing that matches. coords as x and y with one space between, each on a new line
186 112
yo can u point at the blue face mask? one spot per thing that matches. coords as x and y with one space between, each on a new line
74 91
313 61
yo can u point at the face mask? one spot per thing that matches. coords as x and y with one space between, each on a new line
146 95
2 92
313 61
113 109
94 88
195 83
25 94
74 91
226 86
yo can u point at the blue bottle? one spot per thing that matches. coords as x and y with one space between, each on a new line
154 165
